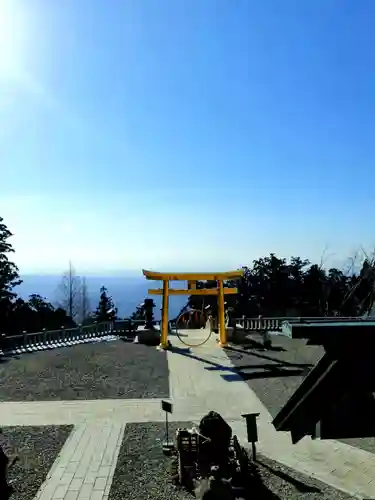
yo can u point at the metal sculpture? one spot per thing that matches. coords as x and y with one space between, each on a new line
210 459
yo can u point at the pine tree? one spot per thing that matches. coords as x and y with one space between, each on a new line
106 310
139 313
9 277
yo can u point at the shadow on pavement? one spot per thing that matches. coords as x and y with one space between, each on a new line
275 372
184 351
270 358
299 485
237 372
255 344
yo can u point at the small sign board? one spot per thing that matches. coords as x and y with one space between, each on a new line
166 406
251 426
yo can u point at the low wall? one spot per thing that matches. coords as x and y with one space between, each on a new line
29 342
48 339
275 323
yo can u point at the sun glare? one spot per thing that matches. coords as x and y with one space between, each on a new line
12 38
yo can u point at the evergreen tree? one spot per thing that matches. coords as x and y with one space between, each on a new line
139 313
9 277
106 310
280 287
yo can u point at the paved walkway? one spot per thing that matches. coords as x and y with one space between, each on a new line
197 386
105 411
86 463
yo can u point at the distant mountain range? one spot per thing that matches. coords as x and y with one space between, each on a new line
126 291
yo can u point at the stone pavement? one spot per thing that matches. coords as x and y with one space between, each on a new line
105 411
197 386
85 466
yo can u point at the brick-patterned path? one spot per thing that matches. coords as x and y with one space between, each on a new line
86 464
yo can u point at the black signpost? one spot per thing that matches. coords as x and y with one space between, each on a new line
168 408
252 431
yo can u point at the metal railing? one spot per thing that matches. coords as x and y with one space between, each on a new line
275 323
50 339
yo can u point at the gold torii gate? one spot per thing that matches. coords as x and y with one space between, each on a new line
192 279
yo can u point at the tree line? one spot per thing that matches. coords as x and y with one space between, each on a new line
272 286
36 313
275 286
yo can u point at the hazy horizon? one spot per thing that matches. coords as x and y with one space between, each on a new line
127 293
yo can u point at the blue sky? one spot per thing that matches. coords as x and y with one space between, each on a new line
185 134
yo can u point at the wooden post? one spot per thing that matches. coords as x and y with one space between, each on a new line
221 315
164 316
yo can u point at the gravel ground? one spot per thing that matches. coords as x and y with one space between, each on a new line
37 448
274 375
86 371
142 472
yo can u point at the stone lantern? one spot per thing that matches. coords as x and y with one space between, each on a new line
148 306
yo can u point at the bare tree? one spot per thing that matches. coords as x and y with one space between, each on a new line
362 269
69 292
84 309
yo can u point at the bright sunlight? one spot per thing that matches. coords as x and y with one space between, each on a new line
12 38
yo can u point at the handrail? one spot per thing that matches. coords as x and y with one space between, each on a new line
48 339
275 323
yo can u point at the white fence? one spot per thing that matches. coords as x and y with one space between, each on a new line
275 323
50 339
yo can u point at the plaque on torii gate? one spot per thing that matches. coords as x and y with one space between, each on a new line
192 279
